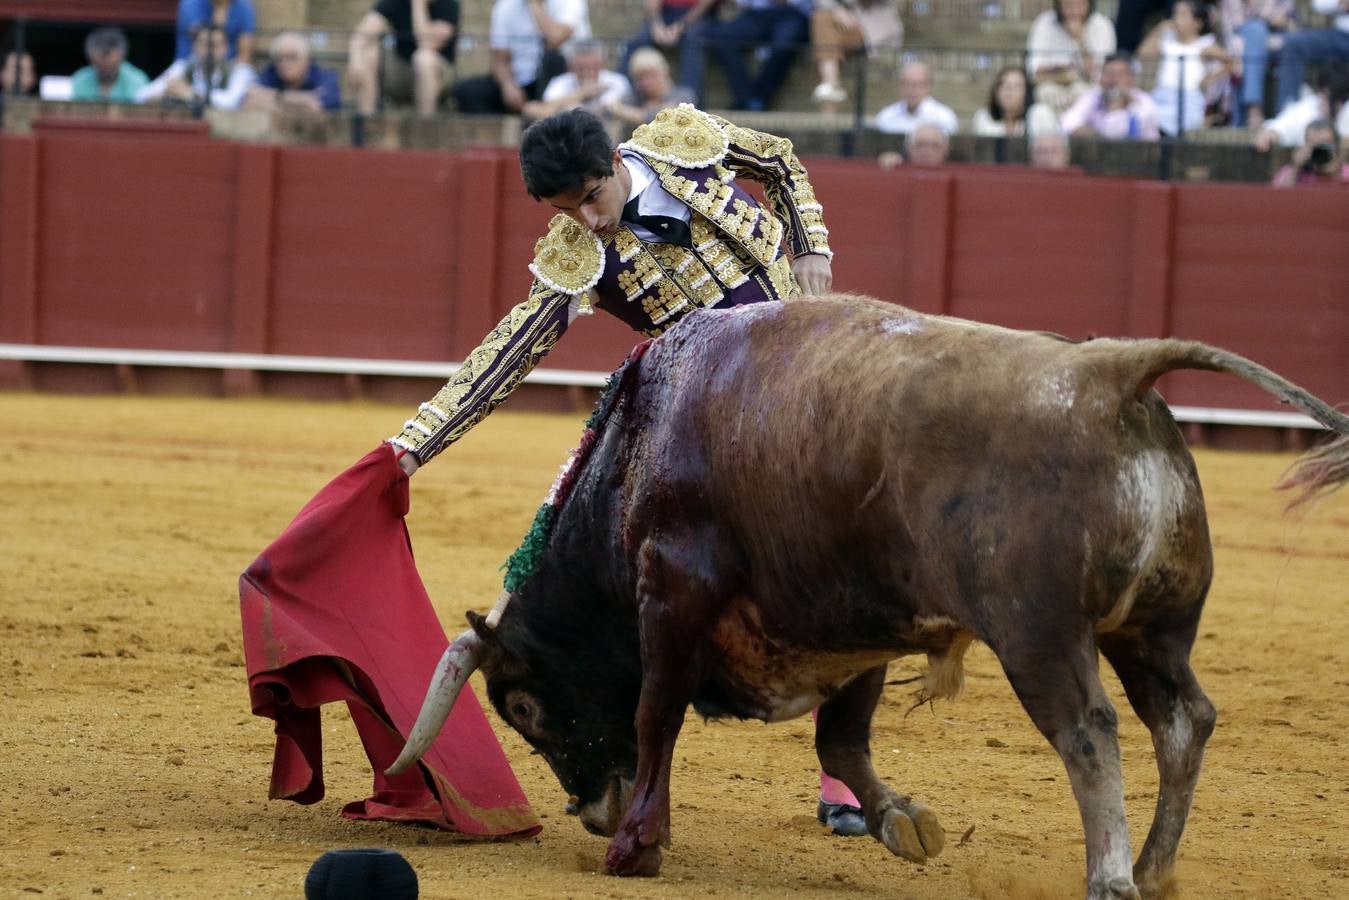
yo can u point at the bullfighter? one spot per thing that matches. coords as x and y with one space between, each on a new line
648 231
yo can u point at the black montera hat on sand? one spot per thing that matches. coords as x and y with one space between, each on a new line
364 874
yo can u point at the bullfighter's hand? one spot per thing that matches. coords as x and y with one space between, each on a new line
813 273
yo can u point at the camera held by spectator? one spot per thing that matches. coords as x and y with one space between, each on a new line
1317 162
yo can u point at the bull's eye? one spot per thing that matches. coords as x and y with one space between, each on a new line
523 712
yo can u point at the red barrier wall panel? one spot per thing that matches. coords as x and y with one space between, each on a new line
364 262
136 242
1264 273
869 226
1042 253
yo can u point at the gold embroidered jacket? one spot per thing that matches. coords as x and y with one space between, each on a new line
736 257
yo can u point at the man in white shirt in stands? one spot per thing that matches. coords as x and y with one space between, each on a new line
586 84
916 106
527 39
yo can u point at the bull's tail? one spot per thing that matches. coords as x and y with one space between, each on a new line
1321 470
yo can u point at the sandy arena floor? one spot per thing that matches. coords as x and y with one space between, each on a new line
133 767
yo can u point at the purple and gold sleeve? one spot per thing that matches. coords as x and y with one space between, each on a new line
771 161
489 374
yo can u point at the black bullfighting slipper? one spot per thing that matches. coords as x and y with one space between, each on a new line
842 819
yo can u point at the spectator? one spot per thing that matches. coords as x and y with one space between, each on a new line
207 75
236 17
1115 109
1011 110
652 90
1326 47
292 81
779 27
1331 91
526 40
586 84
1252 31
420 66
1050 150
1066 49
1130 18
916 105
1317 162
18 76
108 76
926 146
676 23
841 26
1192 74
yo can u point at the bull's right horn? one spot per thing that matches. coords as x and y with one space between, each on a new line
461 659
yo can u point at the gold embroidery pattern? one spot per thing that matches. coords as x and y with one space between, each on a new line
784 283
681 135
568 258
771 161
489 374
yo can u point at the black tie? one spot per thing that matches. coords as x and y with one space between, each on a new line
667 228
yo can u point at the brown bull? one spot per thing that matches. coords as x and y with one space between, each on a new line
785 497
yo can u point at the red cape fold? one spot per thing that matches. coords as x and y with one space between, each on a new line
334 610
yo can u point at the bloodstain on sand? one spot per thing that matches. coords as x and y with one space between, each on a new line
131 765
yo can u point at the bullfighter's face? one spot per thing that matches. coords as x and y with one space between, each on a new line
597 203
581 722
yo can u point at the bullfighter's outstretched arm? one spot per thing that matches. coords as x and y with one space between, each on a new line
487 377
771 161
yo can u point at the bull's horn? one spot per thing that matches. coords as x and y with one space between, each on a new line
494 615
461 660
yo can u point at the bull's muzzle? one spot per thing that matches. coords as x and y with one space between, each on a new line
602 816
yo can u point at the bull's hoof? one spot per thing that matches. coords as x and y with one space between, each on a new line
1114 889
842 819
630 862
912 832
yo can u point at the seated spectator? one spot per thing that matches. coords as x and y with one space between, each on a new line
1324 47
1253 32
1012 110
1329 100
292 81
1115 109
108 76
777 27
676 23
18 75
237 17
1317 162
586 84
1050 150
1066 48
1193 69
420 66
838 27
926 146
651 91
916 105
208 75
526 39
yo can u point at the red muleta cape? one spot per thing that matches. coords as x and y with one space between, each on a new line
334 610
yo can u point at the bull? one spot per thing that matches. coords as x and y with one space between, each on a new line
783 498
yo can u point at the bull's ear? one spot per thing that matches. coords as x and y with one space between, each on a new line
479 625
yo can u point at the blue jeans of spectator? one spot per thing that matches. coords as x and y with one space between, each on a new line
692 49
1312 47
1254 63
782 30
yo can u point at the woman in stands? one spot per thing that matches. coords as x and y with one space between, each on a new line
1011 110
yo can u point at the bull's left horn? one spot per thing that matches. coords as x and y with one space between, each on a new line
461 659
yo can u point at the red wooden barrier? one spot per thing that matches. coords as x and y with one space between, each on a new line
176 243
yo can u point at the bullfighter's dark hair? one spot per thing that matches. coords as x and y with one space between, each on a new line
995 109
559 153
